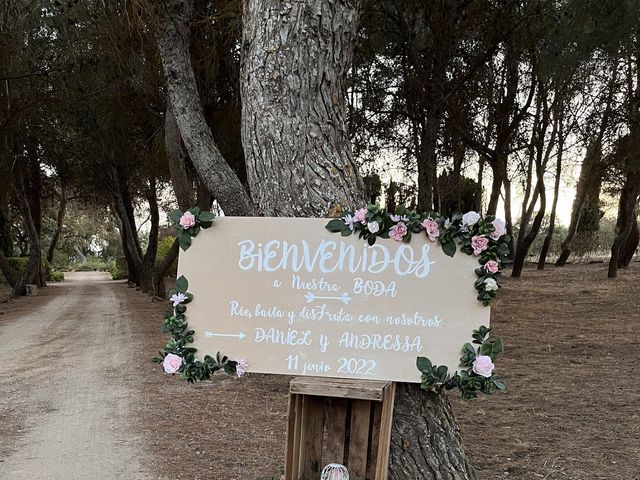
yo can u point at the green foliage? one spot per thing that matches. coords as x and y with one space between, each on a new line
56 276
18 263
175 322
451 234
435 378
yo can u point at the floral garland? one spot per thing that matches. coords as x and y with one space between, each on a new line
483 237
477 368
177 356
189 223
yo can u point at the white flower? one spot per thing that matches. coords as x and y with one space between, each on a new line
348 221
176 299
499 229
398 218
447 223
241 366
490 284
374 227
483 365
469 219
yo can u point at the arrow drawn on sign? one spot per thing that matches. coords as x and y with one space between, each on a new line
344 298
238 335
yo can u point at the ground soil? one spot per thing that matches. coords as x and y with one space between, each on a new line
80 398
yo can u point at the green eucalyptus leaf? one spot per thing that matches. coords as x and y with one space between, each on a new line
336 225
449 248
182 284
185 240
423 364
206 216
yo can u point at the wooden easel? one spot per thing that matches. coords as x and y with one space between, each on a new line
334 420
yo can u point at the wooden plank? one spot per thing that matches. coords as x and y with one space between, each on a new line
336 430
359 439
374 440
386 419
311 437
338 387
293 431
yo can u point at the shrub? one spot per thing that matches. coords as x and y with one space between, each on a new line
118 274
56 276
118 269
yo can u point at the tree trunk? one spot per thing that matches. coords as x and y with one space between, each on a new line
629 247
591 161
425 441
528 239
427 163
176 157
293 87
626 217
498 176
299 163
32 271
62 208
173 44
546 244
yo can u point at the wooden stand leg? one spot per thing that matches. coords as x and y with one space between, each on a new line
338 421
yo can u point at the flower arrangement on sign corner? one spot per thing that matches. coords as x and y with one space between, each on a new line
483 237
177 356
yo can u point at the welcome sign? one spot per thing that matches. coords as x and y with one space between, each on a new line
295 299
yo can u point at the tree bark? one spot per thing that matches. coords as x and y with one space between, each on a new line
176 159
293 88
32 271
425 441
590 164
62 208
626 216
546 244
629 247
172 35
299 163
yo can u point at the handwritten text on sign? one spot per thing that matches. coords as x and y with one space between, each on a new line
294 299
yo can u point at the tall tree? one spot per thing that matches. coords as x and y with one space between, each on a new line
299 163
173 37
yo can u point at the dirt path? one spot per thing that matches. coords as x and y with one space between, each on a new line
66 405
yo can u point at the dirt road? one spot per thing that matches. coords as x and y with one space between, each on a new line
66 402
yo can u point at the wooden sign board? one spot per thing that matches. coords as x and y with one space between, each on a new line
295 299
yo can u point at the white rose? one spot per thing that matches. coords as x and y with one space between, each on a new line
374 227
469 219
483 366
490 284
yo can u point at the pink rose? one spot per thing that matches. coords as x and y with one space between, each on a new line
479 243
241 366
172 363
359 216
187 220
499 229
431 228
492 266
483 366
398 231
